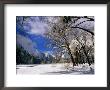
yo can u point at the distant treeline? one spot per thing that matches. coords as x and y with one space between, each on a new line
23 57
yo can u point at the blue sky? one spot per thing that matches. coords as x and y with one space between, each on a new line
34 30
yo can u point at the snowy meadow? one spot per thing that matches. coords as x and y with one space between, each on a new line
55 69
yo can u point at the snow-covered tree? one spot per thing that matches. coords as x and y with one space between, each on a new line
62 29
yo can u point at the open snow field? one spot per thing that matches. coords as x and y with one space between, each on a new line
55 69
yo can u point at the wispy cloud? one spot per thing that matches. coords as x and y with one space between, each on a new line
35 26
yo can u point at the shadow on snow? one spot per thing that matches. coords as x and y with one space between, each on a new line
72 71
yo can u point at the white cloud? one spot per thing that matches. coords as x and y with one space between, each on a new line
35 26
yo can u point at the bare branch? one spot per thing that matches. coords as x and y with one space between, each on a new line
84 30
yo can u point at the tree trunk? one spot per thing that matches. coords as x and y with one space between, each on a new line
69 52
71 56
86 56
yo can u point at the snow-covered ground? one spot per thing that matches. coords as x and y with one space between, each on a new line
55 69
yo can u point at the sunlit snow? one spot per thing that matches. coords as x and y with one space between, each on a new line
55 69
